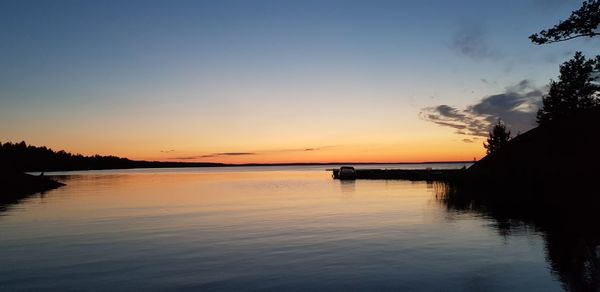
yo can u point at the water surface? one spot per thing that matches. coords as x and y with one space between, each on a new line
262 228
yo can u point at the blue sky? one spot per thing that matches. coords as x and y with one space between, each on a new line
201 76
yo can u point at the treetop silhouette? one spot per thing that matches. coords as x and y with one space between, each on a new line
498 137
577 88
574 91
582 22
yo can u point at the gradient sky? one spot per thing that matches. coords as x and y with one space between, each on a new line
274 81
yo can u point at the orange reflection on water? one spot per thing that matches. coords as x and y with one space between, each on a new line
233 199
254 227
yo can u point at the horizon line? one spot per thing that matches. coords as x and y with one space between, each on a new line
308 163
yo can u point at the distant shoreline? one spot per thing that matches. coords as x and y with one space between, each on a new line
344 163
163 165
29 158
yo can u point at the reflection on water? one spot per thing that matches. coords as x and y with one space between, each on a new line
347 186
571 232
7 202
280 229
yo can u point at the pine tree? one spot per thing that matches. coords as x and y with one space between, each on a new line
498 137
574 91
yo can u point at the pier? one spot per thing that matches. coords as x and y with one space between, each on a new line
405 174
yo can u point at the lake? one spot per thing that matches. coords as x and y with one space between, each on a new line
288 228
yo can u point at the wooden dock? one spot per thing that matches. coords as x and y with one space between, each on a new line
405 174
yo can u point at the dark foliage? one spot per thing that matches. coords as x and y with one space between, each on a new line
23 157
583 22
498 137
574 91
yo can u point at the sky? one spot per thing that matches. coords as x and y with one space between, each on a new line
275 81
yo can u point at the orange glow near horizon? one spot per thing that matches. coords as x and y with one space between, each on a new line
354 153
419 150
262 135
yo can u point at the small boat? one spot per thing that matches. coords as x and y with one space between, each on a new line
347 172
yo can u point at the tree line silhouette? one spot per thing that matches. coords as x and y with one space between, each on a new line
27 158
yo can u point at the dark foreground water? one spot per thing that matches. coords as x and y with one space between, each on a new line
280 229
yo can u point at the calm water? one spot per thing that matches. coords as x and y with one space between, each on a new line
262 228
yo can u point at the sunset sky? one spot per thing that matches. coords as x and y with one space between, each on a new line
274 81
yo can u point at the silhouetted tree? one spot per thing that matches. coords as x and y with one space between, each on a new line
583 22
498 137
574 91
576 88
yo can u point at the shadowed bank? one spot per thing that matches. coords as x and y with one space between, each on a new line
15 186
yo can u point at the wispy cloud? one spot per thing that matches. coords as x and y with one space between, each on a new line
315 148
230 154
471 40
516 106
305 149
225 154
167 151
211 155
187 157
463 121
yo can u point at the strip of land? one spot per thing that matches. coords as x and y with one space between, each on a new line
406 174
